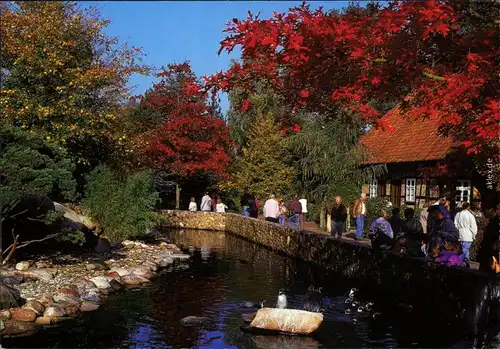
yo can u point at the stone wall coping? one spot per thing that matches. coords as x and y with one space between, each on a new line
291 231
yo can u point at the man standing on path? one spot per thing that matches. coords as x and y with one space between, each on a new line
303 203
206 203
359 211
339 216
271 210
295 210
467 229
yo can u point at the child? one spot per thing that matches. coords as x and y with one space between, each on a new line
220 207
192 205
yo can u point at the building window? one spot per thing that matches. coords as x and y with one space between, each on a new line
410 189
463 191
373 188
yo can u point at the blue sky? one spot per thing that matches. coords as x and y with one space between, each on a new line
176 31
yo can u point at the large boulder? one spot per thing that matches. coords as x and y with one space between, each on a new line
10 297
30 206
291 321
103 246
73 219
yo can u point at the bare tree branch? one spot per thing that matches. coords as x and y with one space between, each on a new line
48 237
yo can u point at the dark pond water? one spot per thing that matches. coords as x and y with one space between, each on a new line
224 272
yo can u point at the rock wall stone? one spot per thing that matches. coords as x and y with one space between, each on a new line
441 290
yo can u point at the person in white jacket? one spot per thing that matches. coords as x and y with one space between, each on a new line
220 207
192 205
271 210
467 228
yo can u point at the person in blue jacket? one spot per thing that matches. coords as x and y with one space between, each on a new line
442 229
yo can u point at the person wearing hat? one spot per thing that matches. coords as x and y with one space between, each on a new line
443 229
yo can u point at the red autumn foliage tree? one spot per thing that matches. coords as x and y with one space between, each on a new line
183 138
436 59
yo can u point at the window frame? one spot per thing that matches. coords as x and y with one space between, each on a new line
373 188
460 189
408 193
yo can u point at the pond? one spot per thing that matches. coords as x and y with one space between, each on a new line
224 272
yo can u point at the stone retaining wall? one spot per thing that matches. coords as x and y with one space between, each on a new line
445 291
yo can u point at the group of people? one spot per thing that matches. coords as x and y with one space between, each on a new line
207 204
338 216
288 213
435 234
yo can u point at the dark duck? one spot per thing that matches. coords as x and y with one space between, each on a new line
313 300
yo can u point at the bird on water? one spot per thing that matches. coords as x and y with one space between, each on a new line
314 300
282 302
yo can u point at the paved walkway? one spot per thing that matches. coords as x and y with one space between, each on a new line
313 226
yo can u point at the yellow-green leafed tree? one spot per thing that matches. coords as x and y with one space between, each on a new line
261 169
61 75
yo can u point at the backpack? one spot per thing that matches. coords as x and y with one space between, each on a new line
378 230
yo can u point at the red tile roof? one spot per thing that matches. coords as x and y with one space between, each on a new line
411 140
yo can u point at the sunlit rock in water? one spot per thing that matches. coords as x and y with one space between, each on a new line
189 321
287 320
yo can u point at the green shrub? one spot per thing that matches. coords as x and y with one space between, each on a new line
482 222
31 171
124 207
313 212
373 207
31 166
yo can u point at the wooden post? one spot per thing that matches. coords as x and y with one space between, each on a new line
348 221
177 196
322 221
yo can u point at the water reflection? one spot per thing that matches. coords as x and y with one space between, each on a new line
280 342
224 272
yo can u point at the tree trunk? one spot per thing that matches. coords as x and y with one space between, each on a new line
177 196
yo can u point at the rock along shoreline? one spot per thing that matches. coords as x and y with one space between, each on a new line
57 288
